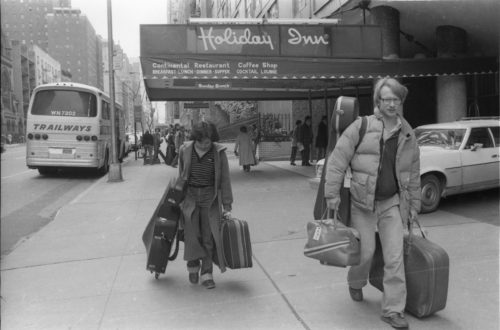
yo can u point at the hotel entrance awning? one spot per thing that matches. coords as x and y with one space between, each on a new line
272 62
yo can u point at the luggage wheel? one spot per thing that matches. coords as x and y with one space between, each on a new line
157 275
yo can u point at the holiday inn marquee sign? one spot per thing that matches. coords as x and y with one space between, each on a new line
252 51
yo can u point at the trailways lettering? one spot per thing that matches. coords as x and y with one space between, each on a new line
62 128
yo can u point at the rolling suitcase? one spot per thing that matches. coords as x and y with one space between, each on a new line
426 271
162 230
236 245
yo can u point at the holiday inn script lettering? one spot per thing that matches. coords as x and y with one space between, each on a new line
251 51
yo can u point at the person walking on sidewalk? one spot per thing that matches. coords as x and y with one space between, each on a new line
179 139
244 149
306 139
203 165
157 141
322 138
147 142
385 192
295 140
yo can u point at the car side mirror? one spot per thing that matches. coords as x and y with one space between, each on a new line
476 146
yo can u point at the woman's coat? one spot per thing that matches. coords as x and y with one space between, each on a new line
223 196
244 147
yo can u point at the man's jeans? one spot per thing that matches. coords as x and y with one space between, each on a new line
390 228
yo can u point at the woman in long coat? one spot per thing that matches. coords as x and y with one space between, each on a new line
204 167
244 149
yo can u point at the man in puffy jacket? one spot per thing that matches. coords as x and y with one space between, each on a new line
385 192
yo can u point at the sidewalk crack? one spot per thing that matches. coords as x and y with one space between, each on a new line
283 296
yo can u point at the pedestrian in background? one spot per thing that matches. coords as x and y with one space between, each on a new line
255 136
203 165
243 148
178 141
385 192
157 141
170 156
322 138
147 142
295 139
306 138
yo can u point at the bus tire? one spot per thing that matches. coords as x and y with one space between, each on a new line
47 170
105 167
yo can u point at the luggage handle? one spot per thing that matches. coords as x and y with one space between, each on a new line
335 217
411 234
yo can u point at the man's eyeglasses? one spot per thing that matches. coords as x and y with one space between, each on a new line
389 101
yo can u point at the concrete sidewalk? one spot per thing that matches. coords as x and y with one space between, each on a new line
86 269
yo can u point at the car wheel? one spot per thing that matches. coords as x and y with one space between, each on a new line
431 193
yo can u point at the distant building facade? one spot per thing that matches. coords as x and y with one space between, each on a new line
73 42
47 69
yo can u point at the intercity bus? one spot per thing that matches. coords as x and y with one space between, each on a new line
69 126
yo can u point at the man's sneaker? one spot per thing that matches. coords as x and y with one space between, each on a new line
194 278
293 164
209 284
396 320
356 294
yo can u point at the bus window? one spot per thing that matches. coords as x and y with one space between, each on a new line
105 110
64 103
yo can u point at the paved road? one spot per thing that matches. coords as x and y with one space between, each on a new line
30 200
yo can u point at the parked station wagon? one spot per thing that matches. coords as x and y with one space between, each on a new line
455 157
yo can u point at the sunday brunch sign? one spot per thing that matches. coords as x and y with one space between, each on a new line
251 51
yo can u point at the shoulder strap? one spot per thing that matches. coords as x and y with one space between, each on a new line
362 131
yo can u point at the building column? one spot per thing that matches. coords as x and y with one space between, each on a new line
451 91
388 20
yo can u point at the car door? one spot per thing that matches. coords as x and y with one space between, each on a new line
480 160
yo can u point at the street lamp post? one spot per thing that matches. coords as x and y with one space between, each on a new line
115 169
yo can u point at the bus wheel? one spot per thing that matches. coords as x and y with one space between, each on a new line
105 167
47 170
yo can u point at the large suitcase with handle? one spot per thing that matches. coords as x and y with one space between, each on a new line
426 270
163 230
236 245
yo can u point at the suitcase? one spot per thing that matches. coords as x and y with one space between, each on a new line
159 246
426 271
236 245
162 231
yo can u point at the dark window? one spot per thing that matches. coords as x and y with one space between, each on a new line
496 135
64 103
105 110
480 135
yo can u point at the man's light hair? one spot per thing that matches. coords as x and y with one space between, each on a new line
396 87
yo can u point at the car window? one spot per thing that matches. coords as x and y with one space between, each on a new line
496 134
446 138
479 135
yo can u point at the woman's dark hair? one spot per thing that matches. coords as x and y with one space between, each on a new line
243 129
204 130
298 122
